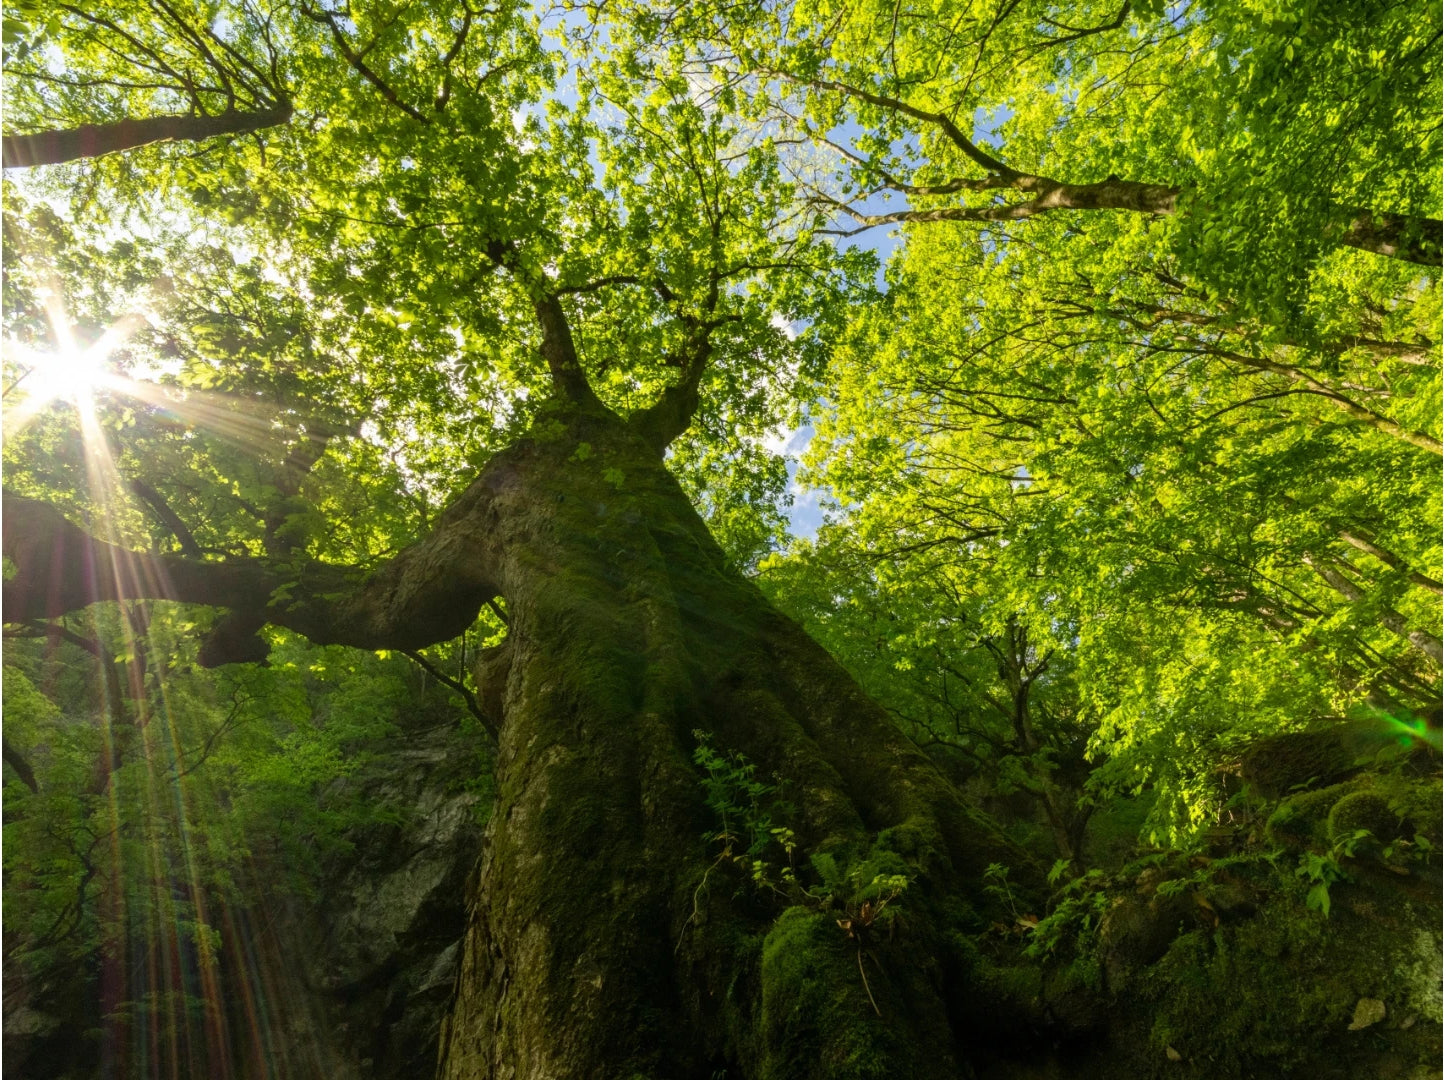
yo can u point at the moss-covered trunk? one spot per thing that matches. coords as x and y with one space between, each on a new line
609 935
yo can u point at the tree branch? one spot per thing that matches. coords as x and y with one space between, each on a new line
167 517
360 65
1362 541
1388 617
947 126
56 632
470 698
16 761
93 140
429 592
1383 424
1129 195
560 351
669 416
1396 236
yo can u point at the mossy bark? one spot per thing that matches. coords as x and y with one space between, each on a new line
607 939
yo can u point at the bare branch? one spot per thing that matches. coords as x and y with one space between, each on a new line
94 140
461 688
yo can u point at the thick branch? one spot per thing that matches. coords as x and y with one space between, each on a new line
1364 543
560 352
429 592
1128 195
54 632
93 140
1396 236
168 517
1359 539
669 416
16 761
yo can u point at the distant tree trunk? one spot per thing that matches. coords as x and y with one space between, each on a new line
93 140
1396 236
607 938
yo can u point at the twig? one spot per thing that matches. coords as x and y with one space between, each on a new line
860 956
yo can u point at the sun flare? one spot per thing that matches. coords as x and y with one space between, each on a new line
60 375
70 372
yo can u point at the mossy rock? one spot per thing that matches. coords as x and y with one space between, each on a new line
1302 819
832 1009
1246 993
1324 754
1416 800
1363 811
1071 996
1114 829
1135 932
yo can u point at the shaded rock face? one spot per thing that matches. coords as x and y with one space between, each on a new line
1331 750
381 943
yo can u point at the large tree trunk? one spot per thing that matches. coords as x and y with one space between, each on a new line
607 936
610 935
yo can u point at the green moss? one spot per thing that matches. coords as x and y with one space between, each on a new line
1018 985
1362 811
816 1018
1417 801
1297 759
1261 996
1301 819
1114 829
1217 999
917 841
1083 973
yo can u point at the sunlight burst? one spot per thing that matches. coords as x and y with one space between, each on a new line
70 372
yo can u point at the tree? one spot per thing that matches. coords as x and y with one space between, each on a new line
945 649
1278 131
437 344
1227 526
608 318
223 65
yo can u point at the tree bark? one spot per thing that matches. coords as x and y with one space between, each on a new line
93 140
610 935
